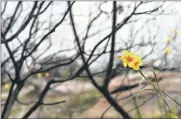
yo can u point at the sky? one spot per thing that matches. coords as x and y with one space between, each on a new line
63 37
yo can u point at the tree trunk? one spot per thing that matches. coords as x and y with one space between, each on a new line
9 105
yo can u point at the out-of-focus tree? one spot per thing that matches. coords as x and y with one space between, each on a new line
30 25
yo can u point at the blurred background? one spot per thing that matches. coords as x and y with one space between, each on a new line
39 48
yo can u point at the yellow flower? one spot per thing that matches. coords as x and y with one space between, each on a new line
168 50
127 58
6 86
47 74
131 60
39 75
136 63
169 39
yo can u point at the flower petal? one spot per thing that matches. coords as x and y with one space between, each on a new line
125 64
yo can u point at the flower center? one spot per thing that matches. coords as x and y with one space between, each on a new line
136 63
129 59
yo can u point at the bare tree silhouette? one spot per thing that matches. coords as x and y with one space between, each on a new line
39 33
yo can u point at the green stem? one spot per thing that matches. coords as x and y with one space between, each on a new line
160 92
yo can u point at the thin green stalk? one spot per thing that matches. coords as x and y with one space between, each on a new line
137 108
163 98
133 96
